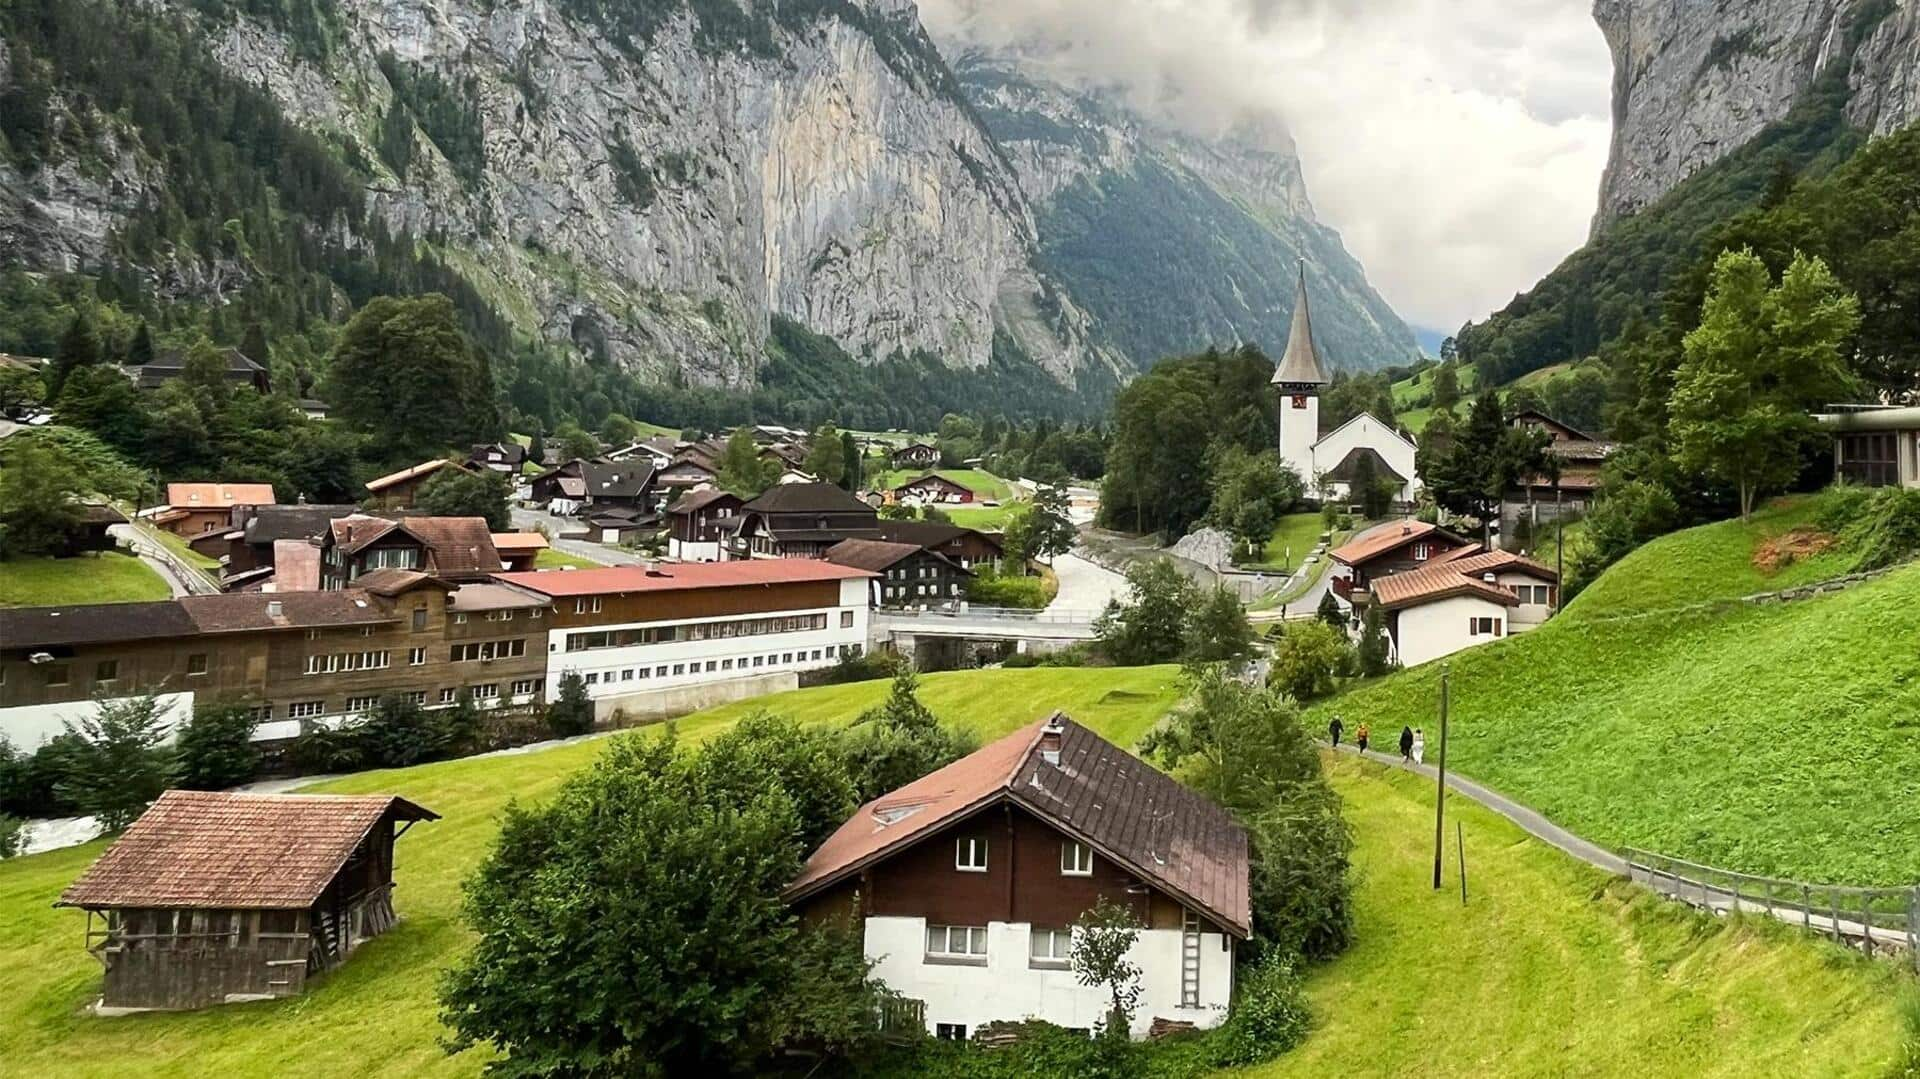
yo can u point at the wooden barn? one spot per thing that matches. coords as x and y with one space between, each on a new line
215 898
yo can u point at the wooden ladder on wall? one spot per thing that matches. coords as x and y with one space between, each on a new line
1189 960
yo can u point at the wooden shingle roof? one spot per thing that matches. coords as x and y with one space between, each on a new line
207 849
1138 817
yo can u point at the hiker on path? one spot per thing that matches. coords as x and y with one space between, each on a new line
1406 744
1419 747
1334 730
1361 735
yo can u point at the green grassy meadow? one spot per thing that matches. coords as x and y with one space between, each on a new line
1781 740
982 483
1549 966
1296 531
556 559
107 577
982 518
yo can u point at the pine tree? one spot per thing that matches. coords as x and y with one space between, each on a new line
79 347
140 349
253 345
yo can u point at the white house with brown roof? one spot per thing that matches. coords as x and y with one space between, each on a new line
1464 598
968 884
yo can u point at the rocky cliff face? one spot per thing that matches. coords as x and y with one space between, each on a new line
1172 241
1694 80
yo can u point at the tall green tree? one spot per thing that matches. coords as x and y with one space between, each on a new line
1150 626
103 401
742 470
456 492
1217 630
1250 492
214 749
1446 386
120 765
20 389
40 488
826 457
140 348
404 372
850 476
79 347
1762 358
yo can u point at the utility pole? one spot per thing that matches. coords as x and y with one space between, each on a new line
1440 802
1559 546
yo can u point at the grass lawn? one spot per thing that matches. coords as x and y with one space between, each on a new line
983 518
556 559
1552 969
1418 390
982 483
180 549
102 578
1782 740
1549 961
1711 562
1298 532
1547 544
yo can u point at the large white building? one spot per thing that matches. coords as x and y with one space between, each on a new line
1327 465
971 884
669 638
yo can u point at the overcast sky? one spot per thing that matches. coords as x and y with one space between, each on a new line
1456 145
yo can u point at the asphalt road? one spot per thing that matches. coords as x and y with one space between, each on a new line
528 520
1084 586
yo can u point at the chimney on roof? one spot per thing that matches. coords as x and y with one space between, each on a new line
1406 530
275 609
1050 742
1489 577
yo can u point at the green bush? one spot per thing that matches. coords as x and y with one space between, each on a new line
572 713
12 832
989 589
1881 528
1269 1017
865 667
214 750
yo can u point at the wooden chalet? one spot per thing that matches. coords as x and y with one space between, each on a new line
1875 445
449 548
401 490
195 509
92 533
697 520
253 545
934 487
800 520
966 547
909 575
580 486
915 455
1566 492
214 898
506 458
519 550
1391 549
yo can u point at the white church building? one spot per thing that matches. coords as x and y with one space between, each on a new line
1327 464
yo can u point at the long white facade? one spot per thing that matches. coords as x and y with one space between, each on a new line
620 659
27 726
1007 983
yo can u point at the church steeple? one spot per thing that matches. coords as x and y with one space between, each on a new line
1300 369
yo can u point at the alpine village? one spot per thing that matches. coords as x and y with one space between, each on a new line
928 538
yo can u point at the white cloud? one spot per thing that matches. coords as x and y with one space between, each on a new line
1456 145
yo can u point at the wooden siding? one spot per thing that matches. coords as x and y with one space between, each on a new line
673 605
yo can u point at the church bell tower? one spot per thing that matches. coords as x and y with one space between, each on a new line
1299 379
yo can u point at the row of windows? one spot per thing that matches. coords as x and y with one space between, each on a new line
895 592
1537 594
1045 947
743 663
359 705
349 661
106 670
911 573
970 856
481 651
460 617
702 631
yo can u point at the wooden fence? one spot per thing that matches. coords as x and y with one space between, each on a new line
1883 921
902 1019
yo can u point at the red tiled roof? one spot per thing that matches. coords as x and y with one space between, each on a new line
203 496
194 849
519 541
1382 540
1129 812
1460 576
680 576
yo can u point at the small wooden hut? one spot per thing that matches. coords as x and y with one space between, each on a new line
212 898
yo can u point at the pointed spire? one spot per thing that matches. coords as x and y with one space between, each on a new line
1301 365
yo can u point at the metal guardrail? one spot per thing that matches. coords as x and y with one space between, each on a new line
1884 920
147 543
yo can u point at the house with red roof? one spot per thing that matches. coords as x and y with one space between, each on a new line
1461 599
967 884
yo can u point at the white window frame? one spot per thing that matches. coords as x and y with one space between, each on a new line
1076 859
416 657
1050 948
970 854
361 705
971 938
306 709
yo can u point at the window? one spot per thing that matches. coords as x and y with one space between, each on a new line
499 616
416 657
356 705
1483 627
1050 948
57 674
106 670
459 618
536 614
593 678
711 665
970 855
956 942
846 619
950 1032
726 665
786 657
587 606
627 675
485 651
417 697
757 660
660 671
305 709
1075 859
197 663
419 619
486 692
526 687
1422 552
313 635
449 695
679 668
366 631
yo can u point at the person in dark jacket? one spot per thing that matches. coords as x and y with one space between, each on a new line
1334 729
1406 745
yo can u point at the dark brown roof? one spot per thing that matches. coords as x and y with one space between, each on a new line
1348 470
296 522
1129 812
808 498
934 479
875 555
235 612
698 500
460 546
95 513
390 581
29 628
931 534
206 849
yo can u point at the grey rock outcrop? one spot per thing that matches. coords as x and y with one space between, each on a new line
1694 81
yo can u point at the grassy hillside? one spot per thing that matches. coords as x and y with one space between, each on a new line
1725 560
1779 739
1631 977
102 578
1551 969
982 483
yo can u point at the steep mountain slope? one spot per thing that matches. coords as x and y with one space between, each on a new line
1695 81
654 182
1173 242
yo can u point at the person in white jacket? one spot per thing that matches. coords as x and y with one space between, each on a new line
1419 747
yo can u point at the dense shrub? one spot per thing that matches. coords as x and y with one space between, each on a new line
118 766
396 734
1269 1016
864 667
571 713
990 589
1080 654
898 741
1881 527
214 750
1309 659
1631 514
12 835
